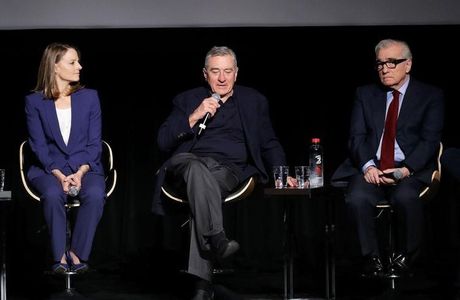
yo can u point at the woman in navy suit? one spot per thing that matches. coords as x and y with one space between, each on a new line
64 125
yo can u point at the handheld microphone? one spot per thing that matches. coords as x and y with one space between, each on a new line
208 115
73 191
396 175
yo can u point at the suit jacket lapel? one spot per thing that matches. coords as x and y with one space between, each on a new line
250 130
408 105
243 117
53 123
75 121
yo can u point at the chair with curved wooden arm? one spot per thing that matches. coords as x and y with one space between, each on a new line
241 192
384 208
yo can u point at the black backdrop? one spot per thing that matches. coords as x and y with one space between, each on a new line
308 74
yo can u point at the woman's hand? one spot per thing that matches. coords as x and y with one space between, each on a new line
75 178
62 179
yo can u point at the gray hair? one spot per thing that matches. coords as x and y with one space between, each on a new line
390 42
220 51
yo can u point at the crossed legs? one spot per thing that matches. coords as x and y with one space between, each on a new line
206 183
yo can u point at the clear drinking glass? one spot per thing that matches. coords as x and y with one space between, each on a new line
280 174
301 176
2 179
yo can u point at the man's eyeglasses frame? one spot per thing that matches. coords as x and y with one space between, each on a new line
391 64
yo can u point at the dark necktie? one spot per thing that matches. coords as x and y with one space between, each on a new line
387 155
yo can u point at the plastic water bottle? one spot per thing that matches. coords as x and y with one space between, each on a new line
316 164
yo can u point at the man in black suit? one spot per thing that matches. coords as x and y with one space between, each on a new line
419 113
210 160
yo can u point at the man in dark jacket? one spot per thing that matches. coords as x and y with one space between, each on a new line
219 136
394 138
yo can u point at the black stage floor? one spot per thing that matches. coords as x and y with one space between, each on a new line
119 283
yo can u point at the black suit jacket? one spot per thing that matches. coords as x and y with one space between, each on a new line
418 133
176 136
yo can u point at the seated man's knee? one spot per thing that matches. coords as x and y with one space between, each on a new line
182 158
358 200
195 164
405 196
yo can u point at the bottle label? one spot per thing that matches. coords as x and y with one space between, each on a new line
316 164
318 159
316 173
318 170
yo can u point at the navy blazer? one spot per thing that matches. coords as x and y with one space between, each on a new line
176 136
45 139
418 132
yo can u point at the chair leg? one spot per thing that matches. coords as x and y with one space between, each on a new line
68 287
69 290
391 275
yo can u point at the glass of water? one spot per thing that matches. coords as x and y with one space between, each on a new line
2 179
280 175
301 175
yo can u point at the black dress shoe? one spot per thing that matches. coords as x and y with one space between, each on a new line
223 247
59 268
227 248
373 266
80 268
203 294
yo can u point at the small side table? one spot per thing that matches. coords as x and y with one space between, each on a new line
5 200
329 228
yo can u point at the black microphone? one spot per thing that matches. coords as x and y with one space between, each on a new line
208 115
396 175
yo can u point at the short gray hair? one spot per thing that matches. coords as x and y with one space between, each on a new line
220 51
390 42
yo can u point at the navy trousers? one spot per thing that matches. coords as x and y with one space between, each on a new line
92 199
361 199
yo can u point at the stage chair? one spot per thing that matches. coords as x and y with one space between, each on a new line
26 157
241 192
385 208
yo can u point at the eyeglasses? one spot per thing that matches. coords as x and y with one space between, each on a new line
391 64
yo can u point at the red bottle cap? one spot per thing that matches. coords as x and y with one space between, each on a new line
315 140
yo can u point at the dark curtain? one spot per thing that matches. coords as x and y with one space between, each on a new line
309 75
